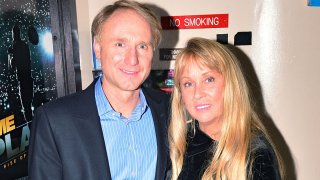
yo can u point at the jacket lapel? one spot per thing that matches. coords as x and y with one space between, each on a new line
159 108
94 131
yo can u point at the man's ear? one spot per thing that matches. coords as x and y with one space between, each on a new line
97 48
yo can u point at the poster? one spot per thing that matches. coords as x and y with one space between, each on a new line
27 77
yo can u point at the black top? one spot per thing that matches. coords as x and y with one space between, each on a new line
199 154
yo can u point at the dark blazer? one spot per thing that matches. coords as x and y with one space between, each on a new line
66 139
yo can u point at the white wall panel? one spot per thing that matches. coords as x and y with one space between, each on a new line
283 60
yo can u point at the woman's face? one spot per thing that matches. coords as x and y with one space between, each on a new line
202 94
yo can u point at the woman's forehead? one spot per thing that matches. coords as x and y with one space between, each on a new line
191 62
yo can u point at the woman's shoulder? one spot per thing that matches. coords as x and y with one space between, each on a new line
260 143
263 159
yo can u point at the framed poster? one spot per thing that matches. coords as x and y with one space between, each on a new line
33 70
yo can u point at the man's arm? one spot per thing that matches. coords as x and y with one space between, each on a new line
43 159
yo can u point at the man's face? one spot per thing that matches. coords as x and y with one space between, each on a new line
125 50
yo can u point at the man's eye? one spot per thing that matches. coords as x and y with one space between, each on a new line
143 46
119 44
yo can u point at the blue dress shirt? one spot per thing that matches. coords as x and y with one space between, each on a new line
130 142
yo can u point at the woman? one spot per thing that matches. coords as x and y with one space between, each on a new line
214 131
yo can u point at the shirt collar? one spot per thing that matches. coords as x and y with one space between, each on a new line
104 106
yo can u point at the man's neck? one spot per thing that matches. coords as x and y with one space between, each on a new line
121 101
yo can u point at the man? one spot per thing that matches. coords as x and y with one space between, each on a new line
114 129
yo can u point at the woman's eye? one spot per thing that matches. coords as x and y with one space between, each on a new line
187 84
210 79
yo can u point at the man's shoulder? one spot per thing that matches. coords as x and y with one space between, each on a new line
71 101
65 100
155 93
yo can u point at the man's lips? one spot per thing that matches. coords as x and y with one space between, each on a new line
129 72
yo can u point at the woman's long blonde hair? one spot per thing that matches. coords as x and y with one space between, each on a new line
230 160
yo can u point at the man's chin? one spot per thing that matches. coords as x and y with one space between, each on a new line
131 87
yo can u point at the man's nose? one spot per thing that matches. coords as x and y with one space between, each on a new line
132 57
